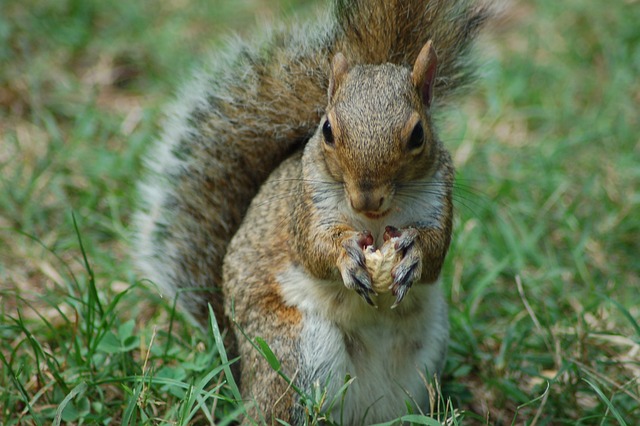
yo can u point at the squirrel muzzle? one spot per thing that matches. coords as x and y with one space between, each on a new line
369 200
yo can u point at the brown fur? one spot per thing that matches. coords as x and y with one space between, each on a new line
258 105
289 223
260 101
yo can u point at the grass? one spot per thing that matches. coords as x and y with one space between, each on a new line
542 276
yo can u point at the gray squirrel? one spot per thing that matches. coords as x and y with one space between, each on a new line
314 149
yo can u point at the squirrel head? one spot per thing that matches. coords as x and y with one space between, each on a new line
377 131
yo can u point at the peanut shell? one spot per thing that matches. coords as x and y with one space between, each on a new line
379 263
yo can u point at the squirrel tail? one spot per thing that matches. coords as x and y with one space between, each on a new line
395 31
259 101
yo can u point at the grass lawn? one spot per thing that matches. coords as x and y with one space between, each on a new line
543 276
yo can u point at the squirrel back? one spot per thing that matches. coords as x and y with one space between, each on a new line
257 104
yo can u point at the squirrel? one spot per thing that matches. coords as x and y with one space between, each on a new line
296 274
326 130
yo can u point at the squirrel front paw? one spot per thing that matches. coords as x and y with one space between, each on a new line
352 266
408 269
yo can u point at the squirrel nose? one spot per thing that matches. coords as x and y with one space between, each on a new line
365 202
367 199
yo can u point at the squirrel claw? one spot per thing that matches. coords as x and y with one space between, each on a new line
404 276
409 268
366 296
400 293
353 268
360 281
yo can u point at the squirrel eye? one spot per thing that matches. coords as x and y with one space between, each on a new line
327 132
416 140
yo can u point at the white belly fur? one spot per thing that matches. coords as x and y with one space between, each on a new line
390 353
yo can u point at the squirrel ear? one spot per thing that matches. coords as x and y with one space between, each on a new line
339 69
424 73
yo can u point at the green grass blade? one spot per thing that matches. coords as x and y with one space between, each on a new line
606 400
81 388
21 390
223 355
627 315
132 403
268 354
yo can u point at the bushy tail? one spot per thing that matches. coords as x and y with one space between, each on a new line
395 31
258 102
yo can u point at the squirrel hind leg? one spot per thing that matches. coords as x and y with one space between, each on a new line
270 396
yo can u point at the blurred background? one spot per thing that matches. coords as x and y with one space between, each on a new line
543 276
